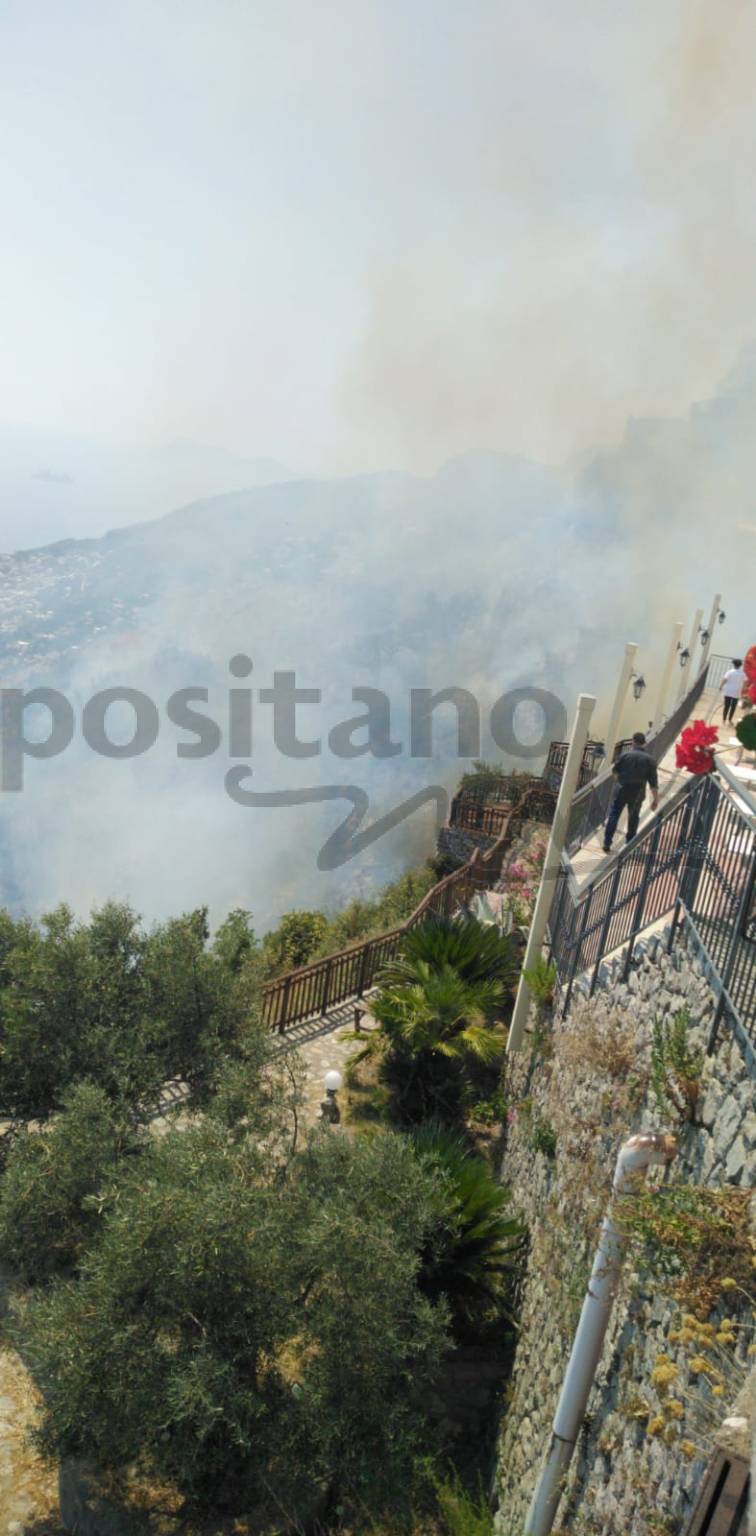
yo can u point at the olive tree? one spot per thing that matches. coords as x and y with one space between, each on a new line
252 1332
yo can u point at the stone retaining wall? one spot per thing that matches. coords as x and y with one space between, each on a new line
585 1099
460 845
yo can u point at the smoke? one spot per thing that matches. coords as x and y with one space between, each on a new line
609 269
493 574
518 242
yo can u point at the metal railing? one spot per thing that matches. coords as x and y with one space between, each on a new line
593 760
314 988
694 860
590 806
718 665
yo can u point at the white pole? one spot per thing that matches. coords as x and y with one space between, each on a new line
661 697
692 644
637 1154
585 706
712 622
615 719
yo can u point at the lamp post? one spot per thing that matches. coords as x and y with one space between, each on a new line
585 707
661 696
615 719
691 649
707 635
329 1109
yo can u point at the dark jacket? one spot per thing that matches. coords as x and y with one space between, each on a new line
635 769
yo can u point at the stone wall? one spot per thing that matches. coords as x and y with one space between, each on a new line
460 845
574 1101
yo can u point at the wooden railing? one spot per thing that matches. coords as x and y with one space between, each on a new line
312 989
474 815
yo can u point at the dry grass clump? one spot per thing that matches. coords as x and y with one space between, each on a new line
601 1039
28 1485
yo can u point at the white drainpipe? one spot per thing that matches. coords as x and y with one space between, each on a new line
637 1154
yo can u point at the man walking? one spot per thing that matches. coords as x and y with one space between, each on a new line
633 770
732 686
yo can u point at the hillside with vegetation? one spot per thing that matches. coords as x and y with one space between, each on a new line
220 1308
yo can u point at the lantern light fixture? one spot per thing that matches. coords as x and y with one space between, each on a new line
329 1109
684 656
639 684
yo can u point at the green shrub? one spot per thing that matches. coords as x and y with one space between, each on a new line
439 1007
541 979
676 1067
58 1183
463 1513
244 1337
294 941
745 731
475 1248
491 1111
543 1138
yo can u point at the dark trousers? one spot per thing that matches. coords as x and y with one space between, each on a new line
630 795
729 708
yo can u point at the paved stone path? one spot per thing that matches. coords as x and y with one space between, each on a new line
322 1049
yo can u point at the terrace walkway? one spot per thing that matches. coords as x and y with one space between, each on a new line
319 1037
588 857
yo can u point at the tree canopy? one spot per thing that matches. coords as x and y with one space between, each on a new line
246 1328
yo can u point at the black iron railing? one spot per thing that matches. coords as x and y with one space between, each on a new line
593 759
695 861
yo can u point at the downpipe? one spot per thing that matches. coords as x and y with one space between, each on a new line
635 1157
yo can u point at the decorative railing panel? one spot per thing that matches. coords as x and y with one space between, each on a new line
593 759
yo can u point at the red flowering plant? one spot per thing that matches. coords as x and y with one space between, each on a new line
694 749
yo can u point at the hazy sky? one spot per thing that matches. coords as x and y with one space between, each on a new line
356 235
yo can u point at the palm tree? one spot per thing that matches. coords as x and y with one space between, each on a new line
478 1241
477 952
439 1006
